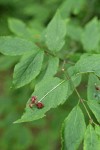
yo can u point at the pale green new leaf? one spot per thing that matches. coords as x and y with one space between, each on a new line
16 46
92 93
88 63
95 108
91 36
91 141
73 130
27 69
55 33
52 92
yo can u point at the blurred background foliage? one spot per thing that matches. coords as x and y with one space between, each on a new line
43 134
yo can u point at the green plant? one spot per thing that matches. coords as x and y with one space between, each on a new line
54 62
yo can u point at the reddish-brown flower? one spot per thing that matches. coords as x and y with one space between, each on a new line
39 105
33 99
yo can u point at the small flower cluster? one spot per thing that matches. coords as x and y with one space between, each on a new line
34 101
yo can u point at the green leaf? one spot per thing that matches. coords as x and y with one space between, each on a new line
91 36
52 67
88 63
55 33
26 70
97 130
20 29
95 108
92 93
76 79
74 31
71 6
73 129
16 46
91 141
49 68
52 92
